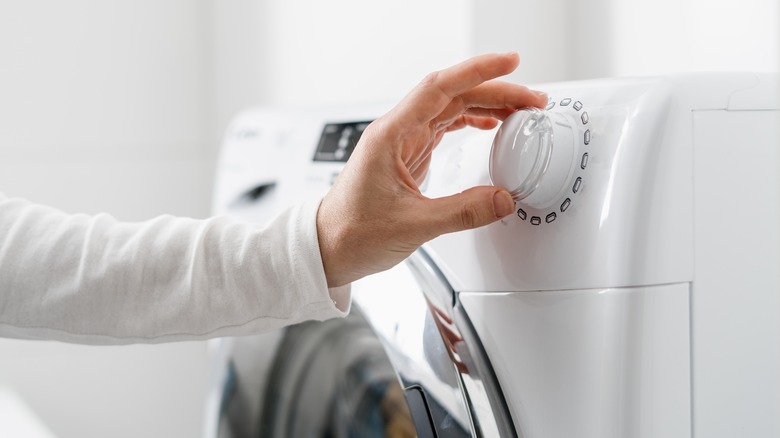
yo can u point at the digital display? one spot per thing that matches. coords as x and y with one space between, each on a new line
338 141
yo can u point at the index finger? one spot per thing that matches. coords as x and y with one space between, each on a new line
438 89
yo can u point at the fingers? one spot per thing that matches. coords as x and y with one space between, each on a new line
498 94
473 208
486 113
423 158
462 77
491 96
478 122
438 89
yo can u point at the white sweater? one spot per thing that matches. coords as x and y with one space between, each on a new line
92 279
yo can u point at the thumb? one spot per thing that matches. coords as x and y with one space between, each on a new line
476 207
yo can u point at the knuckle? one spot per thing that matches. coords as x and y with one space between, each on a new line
371 129
469 217
430 79
480 75
376 130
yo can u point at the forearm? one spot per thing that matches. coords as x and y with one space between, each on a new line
93 279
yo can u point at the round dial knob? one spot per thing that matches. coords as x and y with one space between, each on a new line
532 156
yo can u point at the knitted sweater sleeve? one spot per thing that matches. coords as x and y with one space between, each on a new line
95 280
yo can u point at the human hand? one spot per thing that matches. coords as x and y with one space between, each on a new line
375 216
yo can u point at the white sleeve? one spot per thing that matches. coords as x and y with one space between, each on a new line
92 279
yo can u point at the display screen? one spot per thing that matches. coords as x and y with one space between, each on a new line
338 140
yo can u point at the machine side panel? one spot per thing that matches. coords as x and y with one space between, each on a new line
626 222
608 363
736 289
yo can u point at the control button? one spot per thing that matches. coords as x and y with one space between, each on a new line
578 105
550 217
577 185
584 118
521 213
565 205
584 162
587 136
565 102
339 153
550 106
536 220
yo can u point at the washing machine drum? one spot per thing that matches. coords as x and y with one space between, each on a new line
326 379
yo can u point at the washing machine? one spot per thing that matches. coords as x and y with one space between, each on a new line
635 292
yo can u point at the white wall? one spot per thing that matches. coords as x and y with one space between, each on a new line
105 106
567 40
550 35
314 53
357 50
118 106
668 36
117 88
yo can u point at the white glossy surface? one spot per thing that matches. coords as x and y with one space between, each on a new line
681 188
396 307
736 286
609 363
631 221
18 419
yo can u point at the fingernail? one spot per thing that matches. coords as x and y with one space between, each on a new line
540 94
503 204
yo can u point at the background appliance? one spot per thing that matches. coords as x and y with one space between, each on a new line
635 292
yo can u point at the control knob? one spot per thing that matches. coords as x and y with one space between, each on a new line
533 156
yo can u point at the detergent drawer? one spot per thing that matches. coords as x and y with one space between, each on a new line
602 363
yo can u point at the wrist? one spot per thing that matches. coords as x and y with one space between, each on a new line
330 240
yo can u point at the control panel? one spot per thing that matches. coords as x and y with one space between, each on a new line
338 141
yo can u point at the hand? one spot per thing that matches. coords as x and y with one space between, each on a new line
374 216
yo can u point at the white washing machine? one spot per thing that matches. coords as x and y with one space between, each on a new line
635 292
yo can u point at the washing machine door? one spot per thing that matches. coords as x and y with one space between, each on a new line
315 379
450 385
404 363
